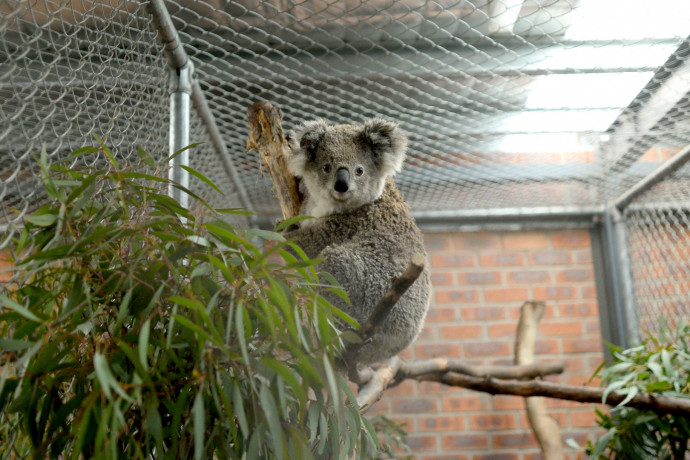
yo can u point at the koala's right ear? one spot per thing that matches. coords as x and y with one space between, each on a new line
309 135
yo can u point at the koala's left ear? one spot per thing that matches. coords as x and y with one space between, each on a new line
388 144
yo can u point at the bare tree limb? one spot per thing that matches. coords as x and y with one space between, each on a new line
584 394
419 368
267 137
545 428
380 380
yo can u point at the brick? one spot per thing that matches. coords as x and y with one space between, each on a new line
406 388
506 295
550 258
453 260
422 443
578 380
482 278
457 296
486 349
525 240
441 423
588 292
476 402
503 259
413 405
482 422
441 278
583 257
582 419
555 292
460 331
431 388
438 350
428 333
571 240
575 275
546 347
559 328
581 345
514 441
434 242
440 314
502 330
579 309
482 313
464 441
506 402
477 241
529 276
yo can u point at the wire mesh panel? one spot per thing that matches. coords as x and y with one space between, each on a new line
69 69
507 103
658 225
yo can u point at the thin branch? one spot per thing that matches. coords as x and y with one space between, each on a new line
643 401
379 381
416 369
545 428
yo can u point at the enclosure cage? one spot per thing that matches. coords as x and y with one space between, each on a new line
519 112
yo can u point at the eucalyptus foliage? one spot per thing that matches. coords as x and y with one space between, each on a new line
659 366
135 328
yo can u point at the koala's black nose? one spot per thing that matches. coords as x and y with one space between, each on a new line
342 180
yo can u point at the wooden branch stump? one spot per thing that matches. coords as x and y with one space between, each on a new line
266 135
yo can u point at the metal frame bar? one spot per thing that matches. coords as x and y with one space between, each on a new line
181 82
653 178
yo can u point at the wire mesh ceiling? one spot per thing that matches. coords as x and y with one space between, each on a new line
508 103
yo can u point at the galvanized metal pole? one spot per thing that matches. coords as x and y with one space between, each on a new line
180 96
619 232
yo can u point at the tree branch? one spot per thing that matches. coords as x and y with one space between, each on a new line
545 428
584 394
267 137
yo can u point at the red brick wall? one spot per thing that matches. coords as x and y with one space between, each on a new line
480 280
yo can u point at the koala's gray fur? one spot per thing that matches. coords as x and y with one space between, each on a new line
363 231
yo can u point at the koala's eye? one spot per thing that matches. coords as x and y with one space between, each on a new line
326 168
359 171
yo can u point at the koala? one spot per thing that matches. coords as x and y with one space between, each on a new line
362 229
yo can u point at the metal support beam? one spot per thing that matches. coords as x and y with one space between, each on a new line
656 176
613 277
181 90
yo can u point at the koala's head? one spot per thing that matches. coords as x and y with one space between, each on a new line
345 166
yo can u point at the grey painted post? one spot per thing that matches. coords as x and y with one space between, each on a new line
180 95
627 288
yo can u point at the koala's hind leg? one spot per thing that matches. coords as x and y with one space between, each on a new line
366 280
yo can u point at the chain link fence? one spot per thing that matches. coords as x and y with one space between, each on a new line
658 224
511 106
